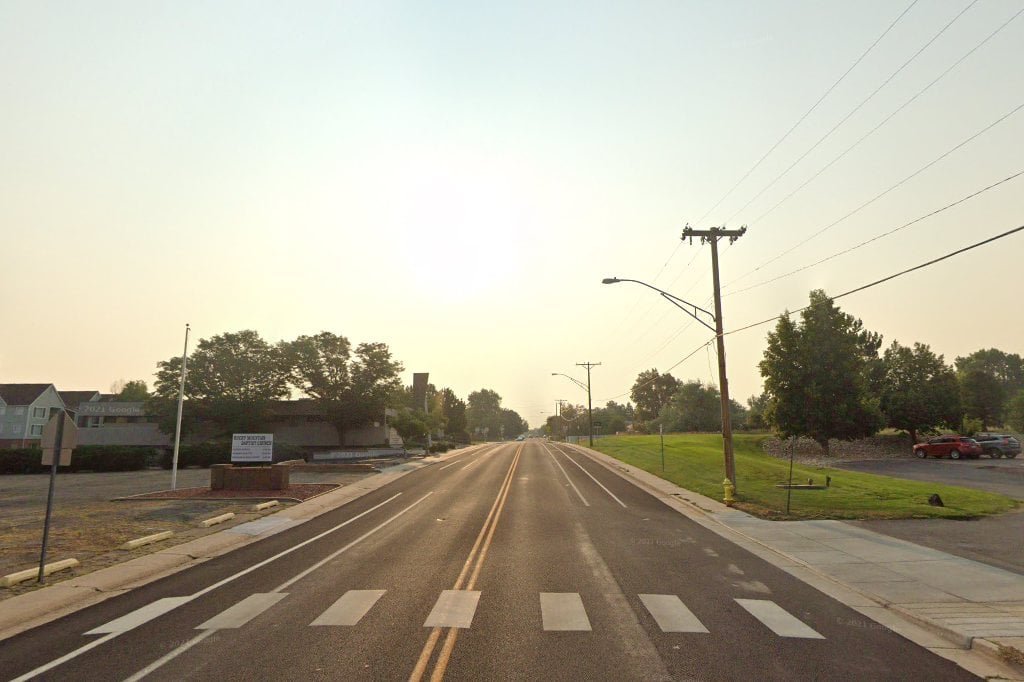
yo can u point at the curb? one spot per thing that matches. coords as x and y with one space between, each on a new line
32 609
992 650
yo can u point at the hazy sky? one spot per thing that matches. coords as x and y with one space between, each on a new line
455 179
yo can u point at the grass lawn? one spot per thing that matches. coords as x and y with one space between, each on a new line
694 462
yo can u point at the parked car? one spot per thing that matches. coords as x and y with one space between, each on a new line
998 445
953 446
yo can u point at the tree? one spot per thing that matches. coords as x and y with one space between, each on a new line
454 411
818 374
919 391
1015 412
511 423
1007 368
232 379
652 391
132 391
982 396
352 389
697 407
757 405
483 413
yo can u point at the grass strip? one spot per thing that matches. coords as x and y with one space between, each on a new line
695 462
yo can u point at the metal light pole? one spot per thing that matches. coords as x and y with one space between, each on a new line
692 310
181 399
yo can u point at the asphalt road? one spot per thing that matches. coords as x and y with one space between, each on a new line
1003 476
512 561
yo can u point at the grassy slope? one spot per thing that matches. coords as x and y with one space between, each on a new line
694 461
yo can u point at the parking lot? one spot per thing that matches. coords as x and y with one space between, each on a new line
1003 476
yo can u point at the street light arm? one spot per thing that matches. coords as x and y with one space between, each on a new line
575 381
674 300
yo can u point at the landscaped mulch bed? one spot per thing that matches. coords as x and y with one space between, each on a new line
297 491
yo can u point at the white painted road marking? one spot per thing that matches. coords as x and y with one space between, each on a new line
132 620
564 473
350 609
671 614
777 619
453 609
563 611
594 479
242 612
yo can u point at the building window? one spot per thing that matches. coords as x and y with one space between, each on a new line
37 429
1 427
3 410
39 413
17 428
19 411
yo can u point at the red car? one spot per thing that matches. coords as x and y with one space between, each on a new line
954 447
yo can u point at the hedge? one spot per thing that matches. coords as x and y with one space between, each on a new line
85 458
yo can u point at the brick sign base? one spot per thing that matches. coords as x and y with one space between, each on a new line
227 477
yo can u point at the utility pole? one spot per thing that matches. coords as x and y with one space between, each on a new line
711 236
590 406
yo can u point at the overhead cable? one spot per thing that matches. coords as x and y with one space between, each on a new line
808 112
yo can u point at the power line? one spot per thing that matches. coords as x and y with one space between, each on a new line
808 112
842 295
889 117
880 236
882 194
886 279
854 110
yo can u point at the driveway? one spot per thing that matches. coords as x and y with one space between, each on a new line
1003 476
995 540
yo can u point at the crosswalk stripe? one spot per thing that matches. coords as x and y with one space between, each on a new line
777 619
138 617
671 614
350 609
563 611
244 611
453 609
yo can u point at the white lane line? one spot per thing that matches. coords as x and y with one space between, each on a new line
83 649
453 609
350 609
564 473
65 658
347 547
671 614
242 612
132 620
169 656
450 465
192 642
288 551
563 611
777 619
593 479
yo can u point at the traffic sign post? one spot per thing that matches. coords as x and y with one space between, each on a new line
60 435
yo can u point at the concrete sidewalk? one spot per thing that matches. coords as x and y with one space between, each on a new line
941 599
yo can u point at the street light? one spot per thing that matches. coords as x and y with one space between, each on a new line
590 406
685 306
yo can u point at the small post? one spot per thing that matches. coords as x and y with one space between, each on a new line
181 399
789 488
661 432
49 497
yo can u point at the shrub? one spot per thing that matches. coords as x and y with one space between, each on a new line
109 458
22 461
200 455
972 426
440 446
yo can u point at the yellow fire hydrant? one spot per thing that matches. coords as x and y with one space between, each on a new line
729 490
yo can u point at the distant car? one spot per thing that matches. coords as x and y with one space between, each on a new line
998 445
954 447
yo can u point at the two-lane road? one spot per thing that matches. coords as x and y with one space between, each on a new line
509 561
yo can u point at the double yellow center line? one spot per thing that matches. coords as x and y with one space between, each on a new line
474 562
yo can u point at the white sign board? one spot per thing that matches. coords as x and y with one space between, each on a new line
252 447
